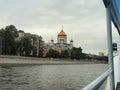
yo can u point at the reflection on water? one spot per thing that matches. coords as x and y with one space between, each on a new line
49 77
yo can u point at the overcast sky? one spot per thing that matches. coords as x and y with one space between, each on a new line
83 20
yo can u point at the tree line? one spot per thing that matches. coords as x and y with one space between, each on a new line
75 53
12 46
8 35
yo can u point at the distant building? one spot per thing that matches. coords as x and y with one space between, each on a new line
21 34
36 42
100 54
61 44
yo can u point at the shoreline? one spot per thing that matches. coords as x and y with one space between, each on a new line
6 60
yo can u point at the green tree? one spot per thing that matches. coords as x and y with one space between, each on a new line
53 54
25 46
64 54
41 47
76 53
8 40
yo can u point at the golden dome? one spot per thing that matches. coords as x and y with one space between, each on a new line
71 40
62 33
52 40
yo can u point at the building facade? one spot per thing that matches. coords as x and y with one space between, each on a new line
61 44
36 42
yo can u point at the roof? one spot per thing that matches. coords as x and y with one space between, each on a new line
62 33
114 8
21 31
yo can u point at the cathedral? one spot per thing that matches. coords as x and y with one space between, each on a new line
61 44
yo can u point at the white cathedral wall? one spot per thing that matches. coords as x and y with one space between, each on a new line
62 37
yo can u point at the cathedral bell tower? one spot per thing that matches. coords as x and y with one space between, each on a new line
52 42
71 43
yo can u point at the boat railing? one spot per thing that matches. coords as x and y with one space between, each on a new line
112 75
96 84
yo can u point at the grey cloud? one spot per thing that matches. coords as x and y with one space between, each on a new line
84 20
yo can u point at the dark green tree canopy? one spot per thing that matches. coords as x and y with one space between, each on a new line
64 54
25 46
8 35
53 54
76 53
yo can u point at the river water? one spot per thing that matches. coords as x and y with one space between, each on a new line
49 77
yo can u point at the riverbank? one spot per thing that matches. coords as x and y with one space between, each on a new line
19 60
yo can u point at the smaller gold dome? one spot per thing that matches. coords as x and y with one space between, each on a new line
52 40
71 40
62 33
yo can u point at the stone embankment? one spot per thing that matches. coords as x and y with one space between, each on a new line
18 60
